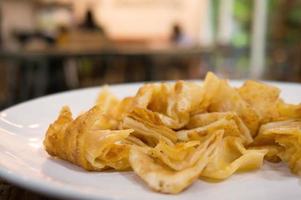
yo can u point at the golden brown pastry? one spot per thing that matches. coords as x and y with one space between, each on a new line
172 134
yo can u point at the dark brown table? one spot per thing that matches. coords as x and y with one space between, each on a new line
11 192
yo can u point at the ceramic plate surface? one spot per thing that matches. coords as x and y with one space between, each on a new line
24 162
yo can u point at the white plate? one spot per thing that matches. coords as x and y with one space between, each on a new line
24 162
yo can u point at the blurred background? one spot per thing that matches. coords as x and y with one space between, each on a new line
48 46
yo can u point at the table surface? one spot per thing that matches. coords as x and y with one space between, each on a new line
11 192
109 50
